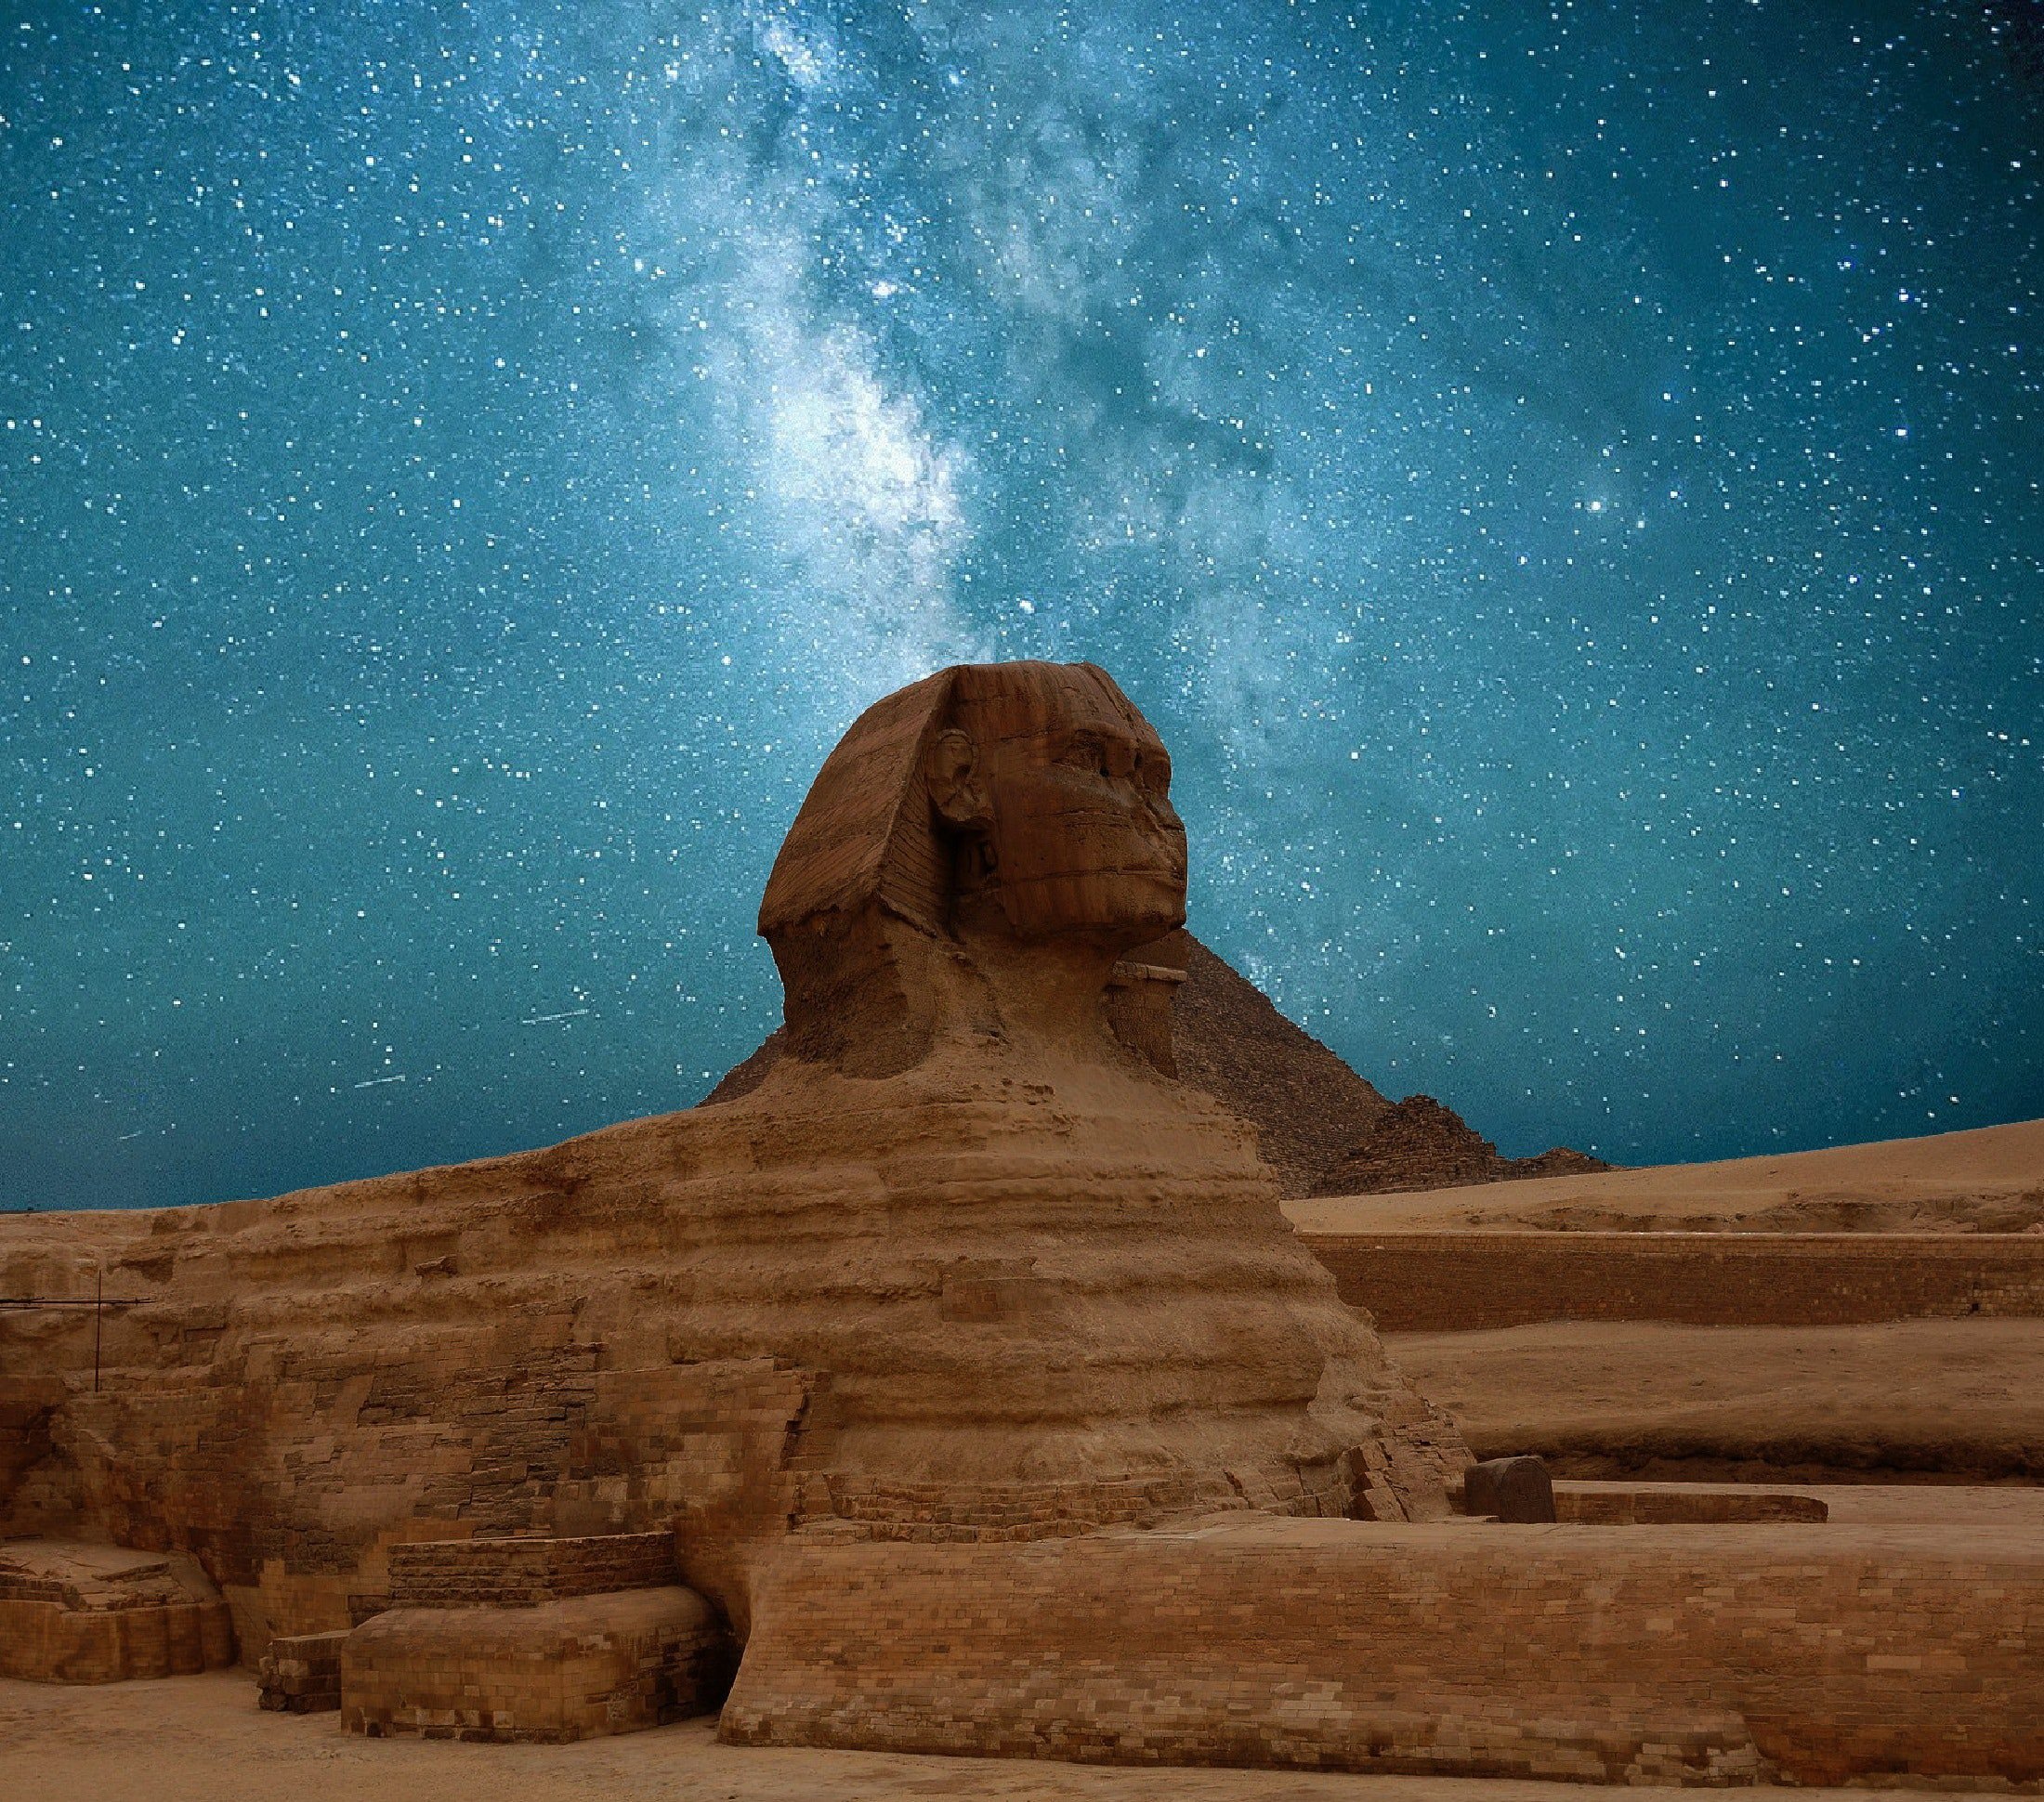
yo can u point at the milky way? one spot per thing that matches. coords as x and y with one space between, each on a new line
1563 482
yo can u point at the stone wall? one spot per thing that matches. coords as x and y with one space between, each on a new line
1007 1512
75 1613
298 1472
524 1573
531 1638
1418 1282
1689 1654
46 1643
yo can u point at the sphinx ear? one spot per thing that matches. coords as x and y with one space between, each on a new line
952 762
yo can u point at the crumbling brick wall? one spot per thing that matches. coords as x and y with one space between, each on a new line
525 1572
296 1472
301 1674
46 1643
554 1671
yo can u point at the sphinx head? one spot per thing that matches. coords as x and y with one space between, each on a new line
1055 795
1009 816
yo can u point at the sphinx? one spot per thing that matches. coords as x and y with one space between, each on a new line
967 1264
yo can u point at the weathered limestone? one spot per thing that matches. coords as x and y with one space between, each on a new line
965 1265
1516 1490
1468 1279
92 1613
560 1671
545 1640
528 1572
1689 1654
1681 1503
1320 1126
301 1674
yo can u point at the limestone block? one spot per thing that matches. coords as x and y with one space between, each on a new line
1627 1505
1517 1489
1685 1654
557 1671
525 1572
74 1612
1417 1280
302 1675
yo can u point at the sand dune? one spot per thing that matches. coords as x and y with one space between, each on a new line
1989 1180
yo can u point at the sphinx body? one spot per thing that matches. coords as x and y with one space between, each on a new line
965 1265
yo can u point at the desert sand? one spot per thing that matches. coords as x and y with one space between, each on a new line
1955 1399
1987 1179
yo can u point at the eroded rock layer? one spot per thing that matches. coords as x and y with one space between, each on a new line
1012 1310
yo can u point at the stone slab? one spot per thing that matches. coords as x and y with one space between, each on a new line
1647 1654
557 1671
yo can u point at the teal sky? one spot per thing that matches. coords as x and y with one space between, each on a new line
1564 480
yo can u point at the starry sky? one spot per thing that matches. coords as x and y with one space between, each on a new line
1564 480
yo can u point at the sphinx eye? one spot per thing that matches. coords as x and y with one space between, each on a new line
1088 754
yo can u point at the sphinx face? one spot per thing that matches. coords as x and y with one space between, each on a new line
1077 832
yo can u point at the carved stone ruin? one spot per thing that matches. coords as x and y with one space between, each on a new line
877 1368
965 1266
